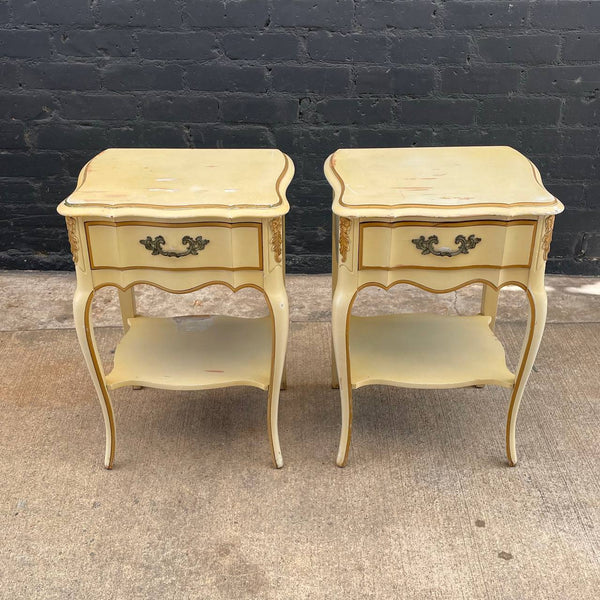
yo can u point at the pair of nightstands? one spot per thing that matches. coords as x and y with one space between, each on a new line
436 218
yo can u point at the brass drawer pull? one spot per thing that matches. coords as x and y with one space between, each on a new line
156 244
464 245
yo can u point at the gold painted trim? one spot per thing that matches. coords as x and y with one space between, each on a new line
276 238
436 206
234 289
183 206
73 239
100 376
519 376
495 222
258 226
547 238
349 378
345 225
434 224
436 291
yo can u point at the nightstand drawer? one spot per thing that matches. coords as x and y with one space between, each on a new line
446 245
174 246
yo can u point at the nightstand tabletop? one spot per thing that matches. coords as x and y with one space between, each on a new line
455 182
151 182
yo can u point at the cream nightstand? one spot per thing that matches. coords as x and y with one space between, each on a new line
439 219
182 220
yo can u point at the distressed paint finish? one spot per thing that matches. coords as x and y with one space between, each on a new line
135 209
491 202
437 183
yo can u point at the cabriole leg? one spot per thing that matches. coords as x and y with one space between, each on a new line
82 303
281 316
339 325
535 325
335 384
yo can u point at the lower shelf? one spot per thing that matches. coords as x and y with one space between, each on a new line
426 351
193 353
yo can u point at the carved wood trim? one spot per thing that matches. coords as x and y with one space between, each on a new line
345 225
548 227
73 239
276 238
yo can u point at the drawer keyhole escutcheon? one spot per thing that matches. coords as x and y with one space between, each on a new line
464 245
155 245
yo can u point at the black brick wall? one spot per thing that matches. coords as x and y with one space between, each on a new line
307 76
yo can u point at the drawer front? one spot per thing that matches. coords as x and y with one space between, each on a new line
174 246
457 245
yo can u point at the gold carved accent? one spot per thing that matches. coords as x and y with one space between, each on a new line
548 227
276 238
73 240
345 225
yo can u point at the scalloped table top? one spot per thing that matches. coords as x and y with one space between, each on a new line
444 182
185 182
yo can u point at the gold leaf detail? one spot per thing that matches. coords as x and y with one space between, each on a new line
548 226
276 239
345 225
73 240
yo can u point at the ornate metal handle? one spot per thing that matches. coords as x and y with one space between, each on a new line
156 244
464 245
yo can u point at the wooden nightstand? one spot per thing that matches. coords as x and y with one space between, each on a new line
182 220
439 219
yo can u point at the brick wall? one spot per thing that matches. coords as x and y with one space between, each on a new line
77 76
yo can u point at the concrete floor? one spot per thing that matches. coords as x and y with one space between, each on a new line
427 507
42 300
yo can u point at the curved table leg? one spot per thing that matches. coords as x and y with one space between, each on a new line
82 303
339 325
280 310
335 384
535 326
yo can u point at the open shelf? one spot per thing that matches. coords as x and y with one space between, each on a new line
426 351
193 353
